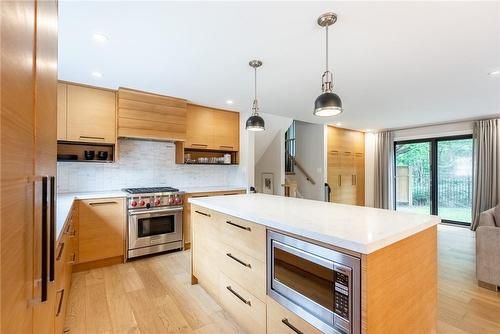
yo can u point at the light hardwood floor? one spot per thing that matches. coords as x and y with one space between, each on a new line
154 295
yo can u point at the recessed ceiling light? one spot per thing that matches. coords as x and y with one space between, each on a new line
97 74
495 72
338 124
100 38
369 130
229 101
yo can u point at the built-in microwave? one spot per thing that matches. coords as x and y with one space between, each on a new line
319 284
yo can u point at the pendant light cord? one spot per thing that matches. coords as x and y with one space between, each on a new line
326 49
255 83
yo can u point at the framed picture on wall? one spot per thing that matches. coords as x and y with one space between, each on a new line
267 183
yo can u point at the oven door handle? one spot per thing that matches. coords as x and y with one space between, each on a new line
152 212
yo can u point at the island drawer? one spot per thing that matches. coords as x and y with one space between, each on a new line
243 269
248 311
243 235
282 321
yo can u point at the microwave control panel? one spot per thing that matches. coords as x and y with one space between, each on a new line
342 295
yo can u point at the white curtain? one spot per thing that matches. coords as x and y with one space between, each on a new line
384 170
486 192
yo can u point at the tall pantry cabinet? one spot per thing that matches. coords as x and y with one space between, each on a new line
28 165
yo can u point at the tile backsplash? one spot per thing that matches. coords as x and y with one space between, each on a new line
141 163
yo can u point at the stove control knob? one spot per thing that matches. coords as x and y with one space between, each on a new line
157 201
141 203
178 200
133 204
171 200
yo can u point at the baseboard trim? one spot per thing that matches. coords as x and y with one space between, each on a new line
97 264
488 286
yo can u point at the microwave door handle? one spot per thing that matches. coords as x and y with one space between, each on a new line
52 228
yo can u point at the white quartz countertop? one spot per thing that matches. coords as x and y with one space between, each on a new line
360 229
64 202
208 189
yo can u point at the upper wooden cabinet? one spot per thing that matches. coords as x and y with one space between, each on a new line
86 114
215 129
150 116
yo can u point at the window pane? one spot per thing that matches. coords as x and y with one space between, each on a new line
413 177
455 180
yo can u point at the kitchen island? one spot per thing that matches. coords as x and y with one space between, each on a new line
288 265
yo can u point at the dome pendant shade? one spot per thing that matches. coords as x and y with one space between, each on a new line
255 123
327 104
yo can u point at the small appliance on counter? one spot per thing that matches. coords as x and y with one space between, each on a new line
154 220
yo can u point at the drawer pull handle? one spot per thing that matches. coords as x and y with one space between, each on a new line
239 226
238 296
226 146
292 327
73 259
202 213
248 265
102 203
59 254
91 137
59 306
201 145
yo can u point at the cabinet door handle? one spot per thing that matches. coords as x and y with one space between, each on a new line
202 213
59 254
238 296
201 145
248 265
102 203
292 327
340 180
226 146
52 228
70 232
44 241
355 180
59 306
73 259
246 228
92 137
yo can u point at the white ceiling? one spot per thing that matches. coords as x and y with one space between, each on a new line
395 64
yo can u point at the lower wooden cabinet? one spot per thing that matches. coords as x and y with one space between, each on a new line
186 220
282 321
66 255
101 229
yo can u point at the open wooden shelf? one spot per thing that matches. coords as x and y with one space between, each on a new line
181 153
78 149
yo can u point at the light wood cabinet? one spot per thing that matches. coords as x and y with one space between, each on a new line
150 116
282 321
27 151
101 229
90 114
186 215
62 114
228 260
210 128
346 165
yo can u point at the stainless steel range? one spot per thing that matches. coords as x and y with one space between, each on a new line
154 220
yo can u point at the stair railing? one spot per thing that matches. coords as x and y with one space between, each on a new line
299 166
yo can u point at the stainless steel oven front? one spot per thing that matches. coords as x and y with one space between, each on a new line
319 284
153 230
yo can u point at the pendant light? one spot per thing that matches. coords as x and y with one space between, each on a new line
255 122
328 103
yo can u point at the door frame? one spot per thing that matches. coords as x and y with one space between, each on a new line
433 141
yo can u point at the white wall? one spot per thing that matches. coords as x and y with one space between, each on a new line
441 130
274 124
310 153
272 161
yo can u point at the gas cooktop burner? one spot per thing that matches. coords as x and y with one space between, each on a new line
150 190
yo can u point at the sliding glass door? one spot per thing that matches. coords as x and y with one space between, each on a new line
435 176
